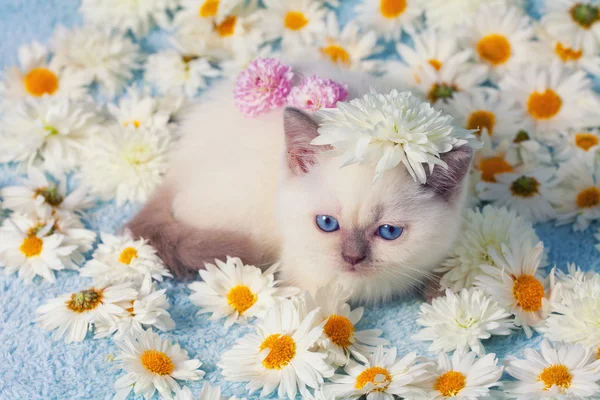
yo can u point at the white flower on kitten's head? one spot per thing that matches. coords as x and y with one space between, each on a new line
152 363
390 129
279 355
122 258
559 371
72 314
382 377
389 17
460 321
237 291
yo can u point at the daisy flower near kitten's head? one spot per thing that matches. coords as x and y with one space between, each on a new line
573 20
152 363
559 370
72 314
389 17
237 291
296 22
279 355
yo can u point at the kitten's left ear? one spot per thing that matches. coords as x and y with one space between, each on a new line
447 182
300 129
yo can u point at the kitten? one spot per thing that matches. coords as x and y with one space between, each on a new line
255 188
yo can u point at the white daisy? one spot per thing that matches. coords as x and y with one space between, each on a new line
449 14
36 77
55 132
481 230
340 338
382 377
526 191
72 314
236 291
169 71
515 283
245 51
464 376
560 371
574 277
526 150
491 160
580 144
573 21
278 356
209 10
125 163
132 16
389 17
121 258
108 59
151 364
460 321
294 21
553 98
390 129
208 393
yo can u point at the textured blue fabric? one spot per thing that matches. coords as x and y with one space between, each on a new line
33 366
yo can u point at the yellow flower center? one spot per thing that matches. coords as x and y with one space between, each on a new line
598 354
134 122
241 298
295 20
586 141
450 383
40 81
283 350
489 167
525 186
585 14
339 329
556 374
588 198
337 54
441 91
378 376
85 300
227 27
209 8
31 246
157 362
544 105
494 48
528 292
392 8
127 255
567 54
436 64
482 119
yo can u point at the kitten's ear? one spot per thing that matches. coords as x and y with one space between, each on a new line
300 129
447 182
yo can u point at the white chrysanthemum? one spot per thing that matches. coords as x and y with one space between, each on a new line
36 77
389 17
147 310
515 283
151 364
525 191
553 98
391 129
236 291
51 132
382 377
560 371
573 21
169 71
450 14
581 144
125 163
340 338
208 393
108 59
279 355
574 277
121 258
464 377
132 16
481 231
500 37
459 321
296 22
72 314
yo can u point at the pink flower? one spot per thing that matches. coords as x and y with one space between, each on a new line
262 86
315 93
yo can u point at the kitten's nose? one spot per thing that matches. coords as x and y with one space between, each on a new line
354 258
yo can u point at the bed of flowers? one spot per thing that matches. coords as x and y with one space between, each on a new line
87 120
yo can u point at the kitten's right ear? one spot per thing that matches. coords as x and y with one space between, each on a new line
300 129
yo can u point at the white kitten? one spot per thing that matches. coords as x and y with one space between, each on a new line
256 188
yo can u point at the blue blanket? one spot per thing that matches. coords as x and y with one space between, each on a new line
34 366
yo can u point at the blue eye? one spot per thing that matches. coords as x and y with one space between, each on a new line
389 232
327 223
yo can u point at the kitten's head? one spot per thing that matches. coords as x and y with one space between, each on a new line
377 239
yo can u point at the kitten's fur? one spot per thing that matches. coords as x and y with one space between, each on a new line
251 187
